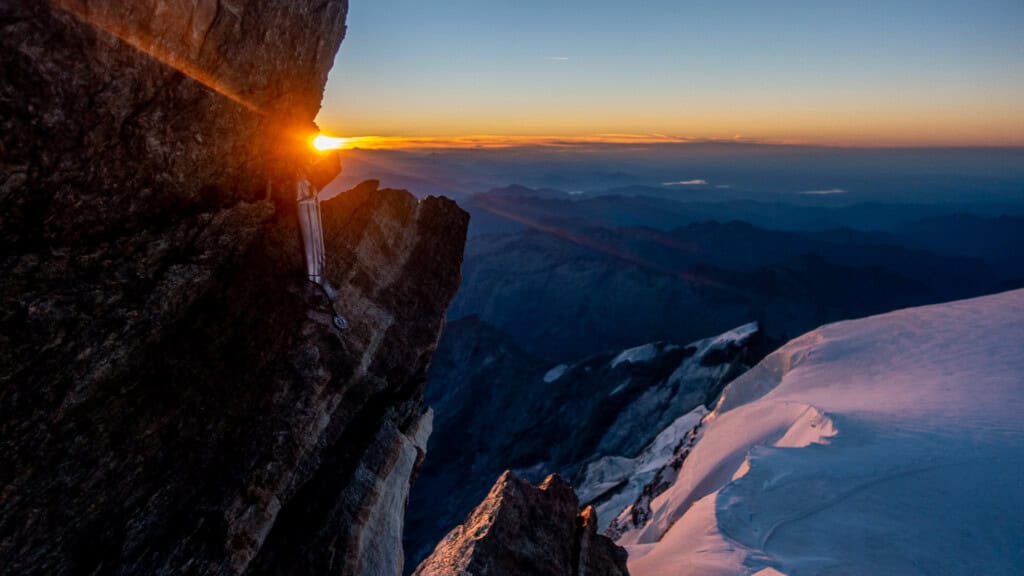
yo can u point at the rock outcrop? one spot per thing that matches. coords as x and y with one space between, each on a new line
524 529
117 116
174 398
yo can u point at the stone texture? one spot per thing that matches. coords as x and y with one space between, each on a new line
245 434
599 556
116 116
173 396
523 529
385 521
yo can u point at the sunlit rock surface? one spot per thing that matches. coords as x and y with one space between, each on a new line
174 398
117 116
524 529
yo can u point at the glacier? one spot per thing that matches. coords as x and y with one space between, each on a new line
892 444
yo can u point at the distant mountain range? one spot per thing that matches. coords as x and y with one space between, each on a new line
668 207
569 277
714 170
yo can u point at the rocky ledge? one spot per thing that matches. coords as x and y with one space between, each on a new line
524 529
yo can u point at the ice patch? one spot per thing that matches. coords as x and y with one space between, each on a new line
644 353
620 387
555 373
737 334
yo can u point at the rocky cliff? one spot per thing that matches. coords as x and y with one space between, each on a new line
174 398
525 529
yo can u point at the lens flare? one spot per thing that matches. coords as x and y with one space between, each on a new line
325 143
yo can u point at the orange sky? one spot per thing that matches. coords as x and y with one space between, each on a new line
838 73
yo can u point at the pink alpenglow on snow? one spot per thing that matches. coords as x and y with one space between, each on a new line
892 444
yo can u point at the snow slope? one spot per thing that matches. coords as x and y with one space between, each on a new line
611 483
619 468
888 445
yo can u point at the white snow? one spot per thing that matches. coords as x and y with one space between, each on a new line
614 481
607 472
688 370
555 373
735 335
644 353
888 445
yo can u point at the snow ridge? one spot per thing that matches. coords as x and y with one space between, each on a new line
637 355
555 373
615 479
890 444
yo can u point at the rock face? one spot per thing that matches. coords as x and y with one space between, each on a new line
523 529
117 116
174 398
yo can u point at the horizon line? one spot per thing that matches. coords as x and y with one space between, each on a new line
497 142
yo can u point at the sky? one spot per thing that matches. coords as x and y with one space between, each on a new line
838 72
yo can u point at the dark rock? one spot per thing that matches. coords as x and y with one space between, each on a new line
242 433
174 398
116 116
523 529
599 556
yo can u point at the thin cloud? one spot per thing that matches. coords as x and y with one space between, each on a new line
686 183
557 58
828 192
500 141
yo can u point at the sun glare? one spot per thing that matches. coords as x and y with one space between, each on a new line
324 143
